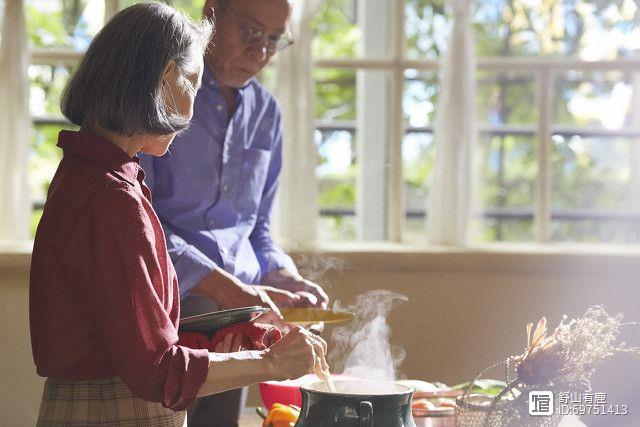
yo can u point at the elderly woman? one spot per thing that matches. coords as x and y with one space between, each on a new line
104 302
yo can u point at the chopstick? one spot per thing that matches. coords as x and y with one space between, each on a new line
326 377
321 370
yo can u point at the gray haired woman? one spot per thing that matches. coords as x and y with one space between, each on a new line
104 299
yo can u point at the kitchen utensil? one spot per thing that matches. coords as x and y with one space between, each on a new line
208 323
305 316
357 403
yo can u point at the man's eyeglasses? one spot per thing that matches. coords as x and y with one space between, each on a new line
256 36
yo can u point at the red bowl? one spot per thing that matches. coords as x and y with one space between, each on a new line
285 392
288 392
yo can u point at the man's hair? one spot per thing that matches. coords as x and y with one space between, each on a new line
118 82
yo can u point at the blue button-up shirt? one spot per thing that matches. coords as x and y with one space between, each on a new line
214 189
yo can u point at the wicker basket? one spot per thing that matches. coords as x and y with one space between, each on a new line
474 410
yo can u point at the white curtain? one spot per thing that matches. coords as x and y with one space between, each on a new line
296 210
450 199
15 203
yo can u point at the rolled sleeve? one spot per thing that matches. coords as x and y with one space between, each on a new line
270 256
178 394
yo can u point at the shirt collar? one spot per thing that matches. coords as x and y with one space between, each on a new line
209 80
103 151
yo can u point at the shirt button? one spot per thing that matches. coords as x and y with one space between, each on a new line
212 223
219 107
225 187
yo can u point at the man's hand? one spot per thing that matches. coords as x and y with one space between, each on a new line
311 294
229 292
243 295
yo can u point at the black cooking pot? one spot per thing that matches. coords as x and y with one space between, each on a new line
357 404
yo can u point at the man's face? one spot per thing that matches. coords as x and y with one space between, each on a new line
232 61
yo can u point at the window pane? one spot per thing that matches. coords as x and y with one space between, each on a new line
589 30
419 98
335 29
599 227
595 184
506 150
46 85
47 82
335 94
426 28
506 98
592 172
44 158
418 157
419 107
507 170
335 141
336 174
63 24
43 162
593 98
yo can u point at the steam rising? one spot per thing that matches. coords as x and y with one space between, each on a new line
315 268
362 349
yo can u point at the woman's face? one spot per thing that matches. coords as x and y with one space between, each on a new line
179 92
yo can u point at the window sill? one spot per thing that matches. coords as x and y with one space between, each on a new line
497 248
15 254
497 257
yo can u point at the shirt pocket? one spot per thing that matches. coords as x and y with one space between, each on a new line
253 174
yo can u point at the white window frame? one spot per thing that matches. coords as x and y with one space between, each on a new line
544 69
395 65
65 57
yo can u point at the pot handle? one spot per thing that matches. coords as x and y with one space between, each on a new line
366 414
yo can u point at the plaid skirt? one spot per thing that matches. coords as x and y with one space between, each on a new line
105 402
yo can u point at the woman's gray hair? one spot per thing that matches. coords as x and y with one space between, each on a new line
117 85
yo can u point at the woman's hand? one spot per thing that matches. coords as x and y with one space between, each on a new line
298 353
229 344
273 318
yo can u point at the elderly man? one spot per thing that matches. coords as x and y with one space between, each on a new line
214 191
